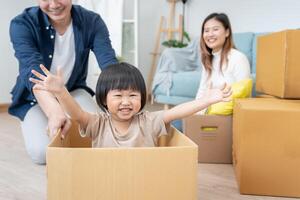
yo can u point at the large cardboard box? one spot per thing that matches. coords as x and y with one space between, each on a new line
266 146
76 171
213 135
278 64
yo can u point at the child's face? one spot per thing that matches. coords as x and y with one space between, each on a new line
123 104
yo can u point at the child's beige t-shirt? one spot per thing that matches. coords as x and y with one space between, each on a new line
144 130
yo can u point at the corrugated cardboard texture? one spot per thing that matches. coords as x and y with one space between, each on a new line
213 135
122 173
278 64
266 146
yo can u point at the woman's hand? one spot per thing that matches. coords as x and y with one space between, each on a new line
49 82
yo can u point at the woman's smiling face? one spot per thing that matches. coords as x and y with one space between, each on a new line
214 34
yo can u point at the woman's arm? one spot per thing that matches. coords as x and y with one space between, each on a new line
209 97
203 83
241 69
55 85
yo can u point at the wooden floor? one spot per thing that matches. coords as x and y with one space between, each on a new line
20 179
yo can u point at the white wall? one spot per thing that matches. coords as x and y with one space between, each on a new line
250 15
8 63
245 15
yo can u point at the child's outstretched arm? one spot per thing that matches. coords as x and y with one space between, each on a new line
55 85
210 96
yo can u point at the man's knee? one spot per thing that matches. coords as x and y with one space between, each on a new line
38 154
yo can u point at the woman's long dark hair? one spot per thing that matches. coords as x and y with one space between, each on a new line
206 52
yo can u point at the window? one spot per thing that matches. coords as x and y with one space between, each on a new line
129 34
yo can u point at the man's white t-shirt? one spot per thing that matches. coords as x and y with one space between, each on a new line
64 53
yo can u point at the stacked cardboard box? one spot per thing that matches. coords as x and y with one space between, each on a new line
278 64
266 146
76 171
266 131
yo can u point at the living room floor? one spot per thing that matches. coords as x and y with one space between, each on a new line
21 179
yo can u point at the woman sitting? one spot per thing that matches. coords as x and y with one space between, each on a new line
221 62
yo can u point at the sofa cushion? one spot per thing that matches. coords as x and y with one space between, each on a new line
172 100
243 42
241 89
184 84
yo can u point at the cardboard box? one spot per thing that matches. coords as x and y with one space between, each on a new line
77 172
213 135
266 146
278 64
264 96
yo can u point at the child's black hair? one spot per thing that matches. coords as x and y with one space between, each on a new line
120 76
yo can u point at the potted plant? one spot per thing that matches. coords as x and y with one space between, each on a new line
185 39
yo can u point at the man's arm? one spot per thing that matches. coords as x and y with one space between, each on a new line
29 57
55 85
56 116
101 43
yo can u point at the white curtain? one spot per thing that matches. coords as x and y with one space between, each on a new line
111 12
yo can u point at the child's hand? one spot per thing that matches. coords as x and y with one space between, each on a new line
48 82
216 95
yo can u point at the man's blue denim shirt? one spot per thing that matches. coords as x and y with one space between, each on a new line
33 40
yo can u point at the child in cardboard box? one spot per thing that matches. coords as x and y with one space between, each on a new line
121 93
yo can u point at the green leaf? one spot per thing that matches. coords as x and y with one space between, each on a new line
178 43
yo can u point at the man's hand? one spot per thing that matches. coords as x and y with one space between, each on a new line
58 122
